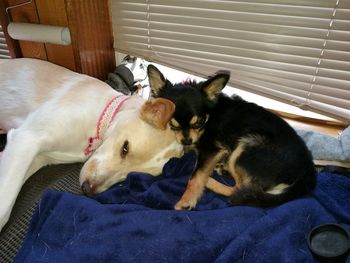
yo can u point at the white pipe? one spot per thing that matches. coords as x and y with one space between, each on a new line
40 33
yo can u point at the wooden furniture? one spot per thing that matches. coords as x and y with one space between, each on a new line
91 51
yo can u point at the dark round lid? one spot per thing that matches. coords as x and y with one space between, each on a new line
125 73
329 241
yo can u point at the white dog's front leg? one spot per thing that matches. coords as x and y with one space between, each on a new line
20 151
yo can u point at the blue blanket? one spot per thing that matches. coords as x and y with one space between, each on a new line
135 222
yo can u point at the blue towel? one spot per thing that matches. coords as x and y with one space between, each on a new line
135 222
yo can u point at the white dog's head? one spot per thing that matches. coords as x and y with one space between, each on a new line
139 140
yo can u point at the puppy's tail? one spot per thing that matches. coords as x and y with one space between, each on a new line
247 195
255 196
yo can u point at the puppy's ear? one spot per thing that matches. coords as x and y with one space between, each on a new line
156 80
157 112
213 86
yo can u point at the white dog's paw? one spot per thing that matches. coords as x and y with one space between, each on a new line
4 217
3 221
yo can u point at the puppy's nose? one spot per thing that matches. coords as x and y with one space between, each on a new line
87 189
186 141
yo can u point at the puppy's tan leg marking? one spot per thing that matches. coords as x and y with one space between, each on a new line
218 187
198 181
238 173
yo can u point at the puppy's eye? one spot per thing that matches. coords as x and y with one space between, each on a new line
199 123
175 128
124 150
174 125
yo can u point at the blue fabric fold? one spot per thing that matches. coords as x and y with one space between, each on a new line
135 222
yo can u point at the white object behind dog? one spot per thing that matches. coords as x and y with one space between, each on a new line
51 112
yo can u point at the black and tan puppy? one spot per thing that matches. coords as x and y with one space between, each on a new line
267 159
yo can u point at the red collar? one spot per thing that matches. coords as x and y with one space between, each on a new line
104 121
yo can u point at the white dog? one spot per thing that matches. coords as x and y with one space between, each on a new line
53 115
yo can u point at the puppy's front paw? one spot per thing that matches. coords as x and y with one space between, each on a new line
185 204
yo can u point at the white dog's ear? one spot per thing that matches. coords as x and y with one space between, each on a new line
157 112
156 80
213 85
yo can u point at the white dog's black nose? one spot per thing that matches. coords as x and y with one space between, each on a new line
87 189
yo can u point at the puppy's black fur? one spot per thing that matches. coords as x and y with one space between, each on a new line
268 160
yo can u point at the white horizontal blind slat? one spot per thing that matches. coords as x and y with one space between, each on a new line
4 52
295 51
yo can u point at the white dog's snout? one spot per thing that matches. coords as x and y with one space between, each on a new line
88 188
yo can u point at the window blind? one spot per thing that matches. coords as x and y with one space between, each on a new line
294 51
4 51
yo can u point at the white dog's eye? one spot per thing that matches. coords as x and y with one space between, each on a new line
125 149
